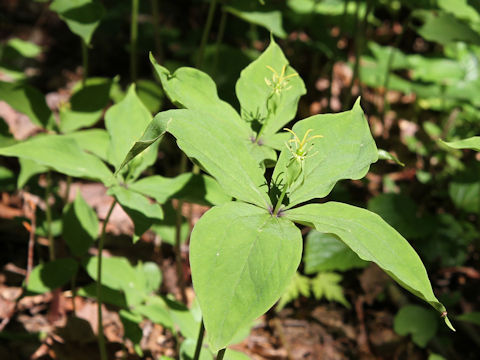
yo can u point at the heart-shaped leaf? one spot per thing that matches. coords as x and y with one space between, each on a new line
345 151
242 260
61 154
79 226
81 16
260 103
126 122
220 151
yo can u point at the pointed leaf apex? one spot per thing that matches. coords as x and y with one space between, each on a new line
448 323
272 38
131 89
357 103
152 58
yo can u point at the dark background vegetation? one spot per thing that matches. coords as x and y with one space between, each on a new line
420 82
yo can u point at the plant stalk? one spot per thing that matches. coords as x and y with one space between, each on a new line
178 252
391 57
280 199
206 32
48 214
198 347
221 33
67 190
100 337
84 62
133 41
359 39
221 354
156 30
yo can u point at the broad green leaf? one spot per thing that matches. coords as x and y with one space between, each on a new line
326 285
193 89
473 317
438 70
461 9
95 141
421 323
153 132
167 227
444 28
259 103
326 252
257 14
470 143
118 274
49 276
86 105
126 122
434 356
220 151
464 189
142 212
12 73
187 351
265 156
44 227
109 296
373 73
28 169
27 100
151 95
79 226
156 310
81 16
383 54
373 240
235 355
300 285
345 152
24 48
183 318
242 260
330 8
131 327
61 154
6 137
7 179
151 274
200 189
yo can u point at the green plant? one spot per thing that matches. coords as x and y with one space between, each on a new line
244 253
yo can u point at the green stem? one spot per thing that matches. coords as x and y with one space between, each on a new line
359 39
100 337
280 199
84 62
156 30
221 354
221 33
48 214
73 285
391 57
260 132
198 347
67 190
178 252
133 41
206 32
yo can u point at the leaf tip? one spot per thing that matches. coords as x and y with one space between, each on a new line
448 322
